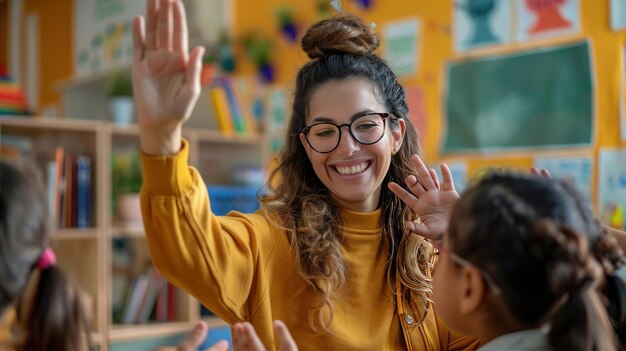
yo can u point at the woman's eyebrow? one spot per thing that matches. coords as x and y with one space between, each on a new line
319 119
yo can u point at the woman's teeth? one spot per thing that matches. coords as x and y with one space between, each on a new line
350 170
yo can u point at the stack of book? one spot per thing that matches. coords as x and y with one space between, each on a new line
12 99
231 112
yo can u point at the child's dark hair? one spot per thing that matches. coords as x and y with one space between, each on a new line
606 250
527 232
49 312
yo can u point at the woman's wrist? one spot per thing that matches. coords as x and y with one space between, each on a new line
157 142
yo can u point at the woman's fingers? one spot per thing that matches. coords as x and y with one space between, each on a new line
164 25
434 177
414 185
139 39
423 175
286 340
402 194
152 11
179 38
447 182
194 69
422 230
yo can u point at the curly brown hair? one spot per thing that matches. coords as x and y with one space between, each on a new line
342 48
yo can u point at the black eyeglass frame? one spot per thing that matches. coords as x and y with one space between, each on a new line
383 115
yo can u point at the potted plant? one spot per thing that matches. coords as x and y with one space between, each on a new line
119 89
209 67
126 184
287 24
258 50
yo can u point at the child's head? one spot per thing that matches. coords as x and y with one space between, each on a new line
516 257
49 313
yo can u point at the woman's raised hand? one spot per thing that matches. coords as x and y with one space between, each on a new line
166 77
432 201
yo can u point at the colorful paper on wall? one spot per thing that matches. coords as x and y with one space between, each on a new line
459 175
547 18
575 170
611 182
277 109
481 23
494 104
402 40
618 14
103 34
414 96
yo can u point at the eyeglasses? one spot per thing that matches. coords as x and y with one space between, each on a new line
464 263
367 129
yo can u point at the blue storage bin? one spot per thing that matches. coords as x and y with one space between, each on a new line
226 198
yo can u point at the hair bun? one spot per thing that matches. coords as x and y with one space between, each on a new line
343 33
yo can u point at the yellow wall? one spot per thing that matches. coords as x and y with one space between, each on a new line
436 49
56 20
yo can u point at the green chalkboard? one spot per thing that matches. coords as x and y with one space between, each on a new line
537 99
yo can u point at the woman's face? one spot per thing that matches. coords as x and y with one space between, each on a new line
352 172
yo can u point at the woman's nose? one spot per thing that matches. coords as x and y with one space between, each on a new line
347 144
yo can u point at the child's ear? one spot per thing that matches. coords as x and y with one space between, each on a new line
473 290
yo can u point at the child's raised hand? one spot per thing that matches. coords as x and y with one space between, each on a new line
540 172
432 201
246 339
166 77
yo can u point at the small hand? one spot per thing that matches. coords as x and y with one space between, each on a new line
540 172
166 77
197 336
430 200
246 339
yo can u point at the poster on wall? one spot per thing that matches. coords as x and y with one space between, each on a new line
402 41
612 184
495 104
103 34
277 113
574 170
481 23
459 172
547 18
414 96
618 15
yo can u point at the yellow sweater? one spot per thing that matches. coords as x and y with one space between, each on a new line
240 266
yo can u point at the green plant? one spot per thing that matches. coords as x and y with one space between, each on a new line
119 84
126 173
258 49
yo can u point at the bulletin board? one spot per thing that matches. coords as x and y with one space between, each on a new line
597 25
496 103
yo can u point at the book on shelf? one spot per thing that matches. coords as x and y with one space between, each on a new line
149 298
69 189
83 191
219 102
232 114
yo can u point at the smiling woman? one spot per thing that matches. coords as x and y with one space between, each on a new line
328 252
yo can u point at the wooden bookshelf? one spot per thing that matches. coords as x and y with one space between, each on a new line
86 254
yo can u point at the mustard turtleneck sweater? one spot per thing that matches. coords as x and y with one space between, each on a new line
241 267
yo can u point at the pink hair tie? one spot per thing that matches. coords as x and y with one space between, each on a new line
46 259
